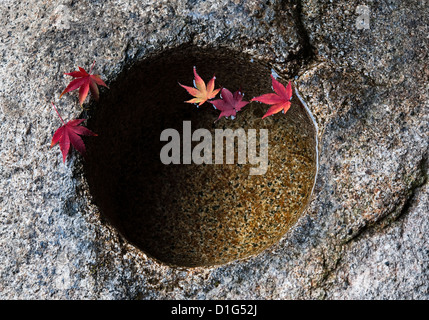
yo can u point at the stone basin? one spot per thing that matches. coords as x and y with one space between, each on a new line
197 214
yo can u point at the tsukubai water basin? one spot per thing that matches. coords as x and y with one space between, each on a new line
197 214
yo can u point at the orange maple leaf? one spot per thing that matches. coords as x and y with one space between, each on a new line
201 92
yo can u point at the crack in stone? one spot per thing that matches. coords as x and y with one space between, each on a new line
417 184
402 209
306 52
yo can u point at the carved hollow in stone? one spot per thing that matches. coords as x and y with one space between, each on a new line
196 214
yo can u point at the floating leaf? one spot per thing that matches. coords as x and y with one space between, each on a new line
230 103
280 100
201 92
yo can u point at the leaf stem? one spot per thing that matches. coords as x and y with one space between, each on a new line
58 113
90 71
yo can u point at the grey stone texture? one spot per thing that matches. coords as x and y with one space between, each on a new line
365 232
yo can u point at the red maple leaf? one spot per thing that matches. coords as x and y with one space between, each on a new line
201 92
280 100
70 133
230 103
85 82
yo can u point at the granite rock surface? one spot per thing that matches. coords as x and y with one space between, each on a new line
364 234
